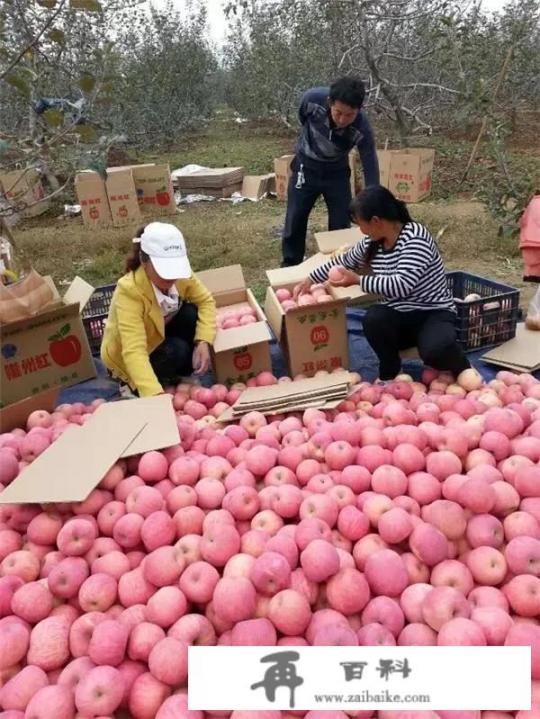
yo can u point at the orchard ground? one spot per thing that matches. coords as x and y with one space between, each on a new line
219 233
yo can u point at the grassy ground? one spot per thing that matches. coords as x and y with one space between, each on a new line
219 233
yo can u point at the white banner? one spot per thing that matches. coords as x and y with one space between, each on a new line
446 678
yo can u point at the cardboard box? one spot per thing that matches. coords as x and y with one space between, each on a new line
226 191
282 169
312 338
23 189
154 188
407 173
92 197
239 353
75 464
122 196
254 187
47 350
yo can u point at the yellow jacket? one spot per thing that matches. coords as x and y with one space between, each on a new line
135 327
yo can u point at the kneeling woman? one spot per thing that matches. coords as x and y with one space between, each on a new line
400 262
162 319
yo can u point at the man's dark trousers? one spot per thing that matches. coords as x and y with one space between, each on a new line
334 185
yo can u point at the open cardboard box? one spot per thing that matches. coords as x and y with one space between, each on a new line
78 460
239 353
312 338
46 350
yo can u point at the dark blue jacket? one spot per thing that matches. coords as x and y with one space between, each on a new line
321 145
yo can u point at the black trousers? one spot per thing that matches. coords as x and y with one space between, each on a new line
334 186
173 358
433 332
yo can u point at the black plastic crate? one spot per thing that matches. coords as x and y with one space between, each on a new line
488 321
95 315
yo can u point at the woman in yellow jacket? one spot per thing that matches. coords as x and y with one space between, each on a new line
162 319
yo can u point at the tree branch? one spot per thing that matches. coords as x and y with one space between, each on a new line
33 42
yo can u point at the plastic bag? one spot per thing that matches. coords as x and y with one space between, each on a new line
533 314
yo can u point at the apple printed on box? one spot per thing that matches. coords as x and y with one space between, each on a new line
44 351
65 348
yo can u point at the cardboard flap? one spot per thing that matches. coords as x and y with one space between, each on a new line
73 465
521 351
241 336
160 429
223 279
328 242
78 291
296 274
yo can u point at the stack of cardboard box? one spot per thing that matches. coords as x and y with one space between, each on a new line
126 195
214 182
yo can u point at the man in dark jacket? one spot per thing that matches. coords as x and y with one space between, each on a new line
332 124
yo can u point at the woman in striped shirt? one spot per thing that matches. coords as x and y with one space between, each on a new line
400 262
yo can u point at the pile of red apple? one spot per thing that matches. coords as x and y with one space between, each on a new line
317 295
228 317
408 516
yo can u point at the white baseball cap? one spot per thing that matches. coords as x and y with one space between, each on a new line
166 247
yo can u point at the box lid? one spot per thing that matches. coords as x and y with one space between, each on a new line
240 336
297 273
223 279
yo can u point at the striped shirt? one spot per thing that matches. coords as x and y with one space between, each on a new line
408 277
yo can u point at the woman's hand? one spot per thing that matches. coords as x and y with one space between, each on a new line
201 358
348 278
302 288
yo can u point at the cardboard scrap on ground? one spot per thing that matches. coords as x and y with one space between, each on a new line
75 464
521 354
321 392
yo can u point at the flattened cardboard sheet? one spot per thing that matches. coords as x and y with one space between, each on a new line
313 392
161 429
521 351
230 416
73 465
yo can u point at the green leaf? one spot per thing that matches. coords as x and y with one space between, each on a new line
90 5
57 36
64 330
55 118
87 133
87 82
53 338
18 82
50 4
